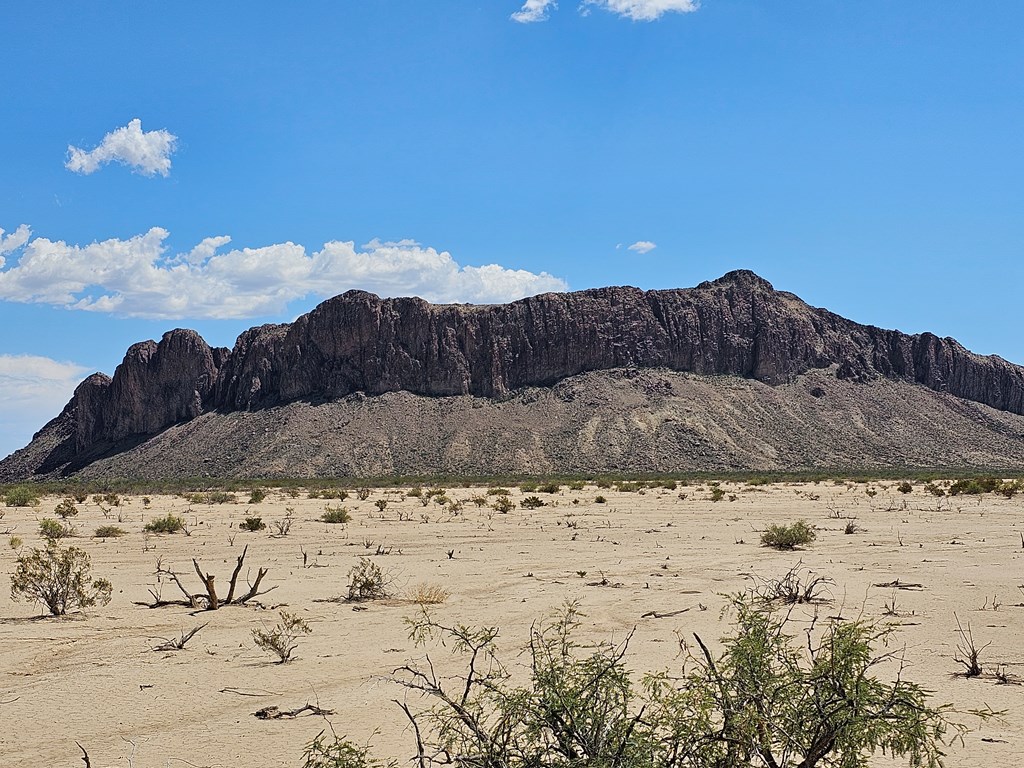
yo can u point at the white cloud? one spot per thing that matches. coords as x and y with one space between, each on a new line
642 10
642 246
34 390
138 277
534 10
145 152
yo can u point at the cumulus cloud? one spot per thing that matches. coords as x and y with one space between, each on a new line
140 277
642 246
34 389
534 10
145 152
642 10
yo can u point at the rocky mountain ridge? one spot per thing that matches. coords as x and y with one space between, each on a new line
738 326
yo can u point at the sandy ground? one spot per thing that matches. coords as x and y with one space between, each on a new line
94 678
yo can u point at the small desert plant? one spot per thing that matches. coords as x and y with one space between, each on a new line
280 639
934 489
904 487
381 505
169 523
415 491
21 496
336 515
531 502
498 491
366 581
576 485
798 586
112 499
600 500
51 529
220 497
15 542
428 594
363 493
80 498
503 504
66 509
284 525
717 494
339 753
549 487
252 524
109 532
968 654
257 495
798 534
58 578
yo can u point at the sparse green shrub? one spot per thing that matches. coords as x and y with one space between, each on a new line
415 491
503 504
15 542
668 485
80 498
112 499
381 505
772 697
904 487
21 496
336 515
366 581
577 485
974 486
58 578
66 509
252 524
220 497
51 529
600 500
436 491
798 534
531 502
717 494
280 639
109 532
528 487
1010 488
549 487
934 489
257 495
497 491
363 493
336 752
169 523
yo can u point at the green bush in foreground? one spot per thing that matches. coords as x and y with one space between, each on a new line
798 534
51 529
336 515
58 578
774 696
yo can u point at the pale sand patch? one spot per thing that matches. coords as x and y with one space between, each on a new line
93 678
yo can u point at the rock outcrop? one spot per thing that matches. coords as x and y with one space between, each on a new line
737 325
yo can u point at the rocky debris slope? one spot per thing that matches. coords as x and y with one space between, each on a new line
735 326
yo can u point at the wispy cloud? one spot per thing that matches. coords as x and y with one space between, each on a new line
34 390
642 246
139 277
534 10
145 152
642 10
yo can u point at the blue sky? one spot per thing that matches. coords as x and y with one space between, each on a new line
866 156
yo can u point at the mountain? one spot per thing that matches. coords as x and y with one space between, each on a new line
731 374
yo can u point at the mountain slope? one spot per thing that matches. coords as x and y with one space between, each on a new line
730 374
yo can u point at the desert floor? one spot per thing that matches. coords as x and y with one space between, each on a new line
94 677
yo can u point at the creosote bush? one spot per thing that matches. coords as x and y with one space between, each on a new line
531 502
257 495
21 496
58 578
798 534
51 529
281 639
66 509
774 696
169 523
336 515
109 532
366 581
252 524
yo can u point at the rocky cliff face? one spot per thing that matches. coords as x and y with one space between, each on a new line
737 325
